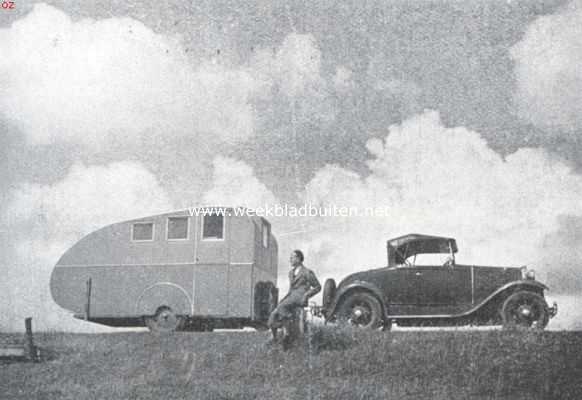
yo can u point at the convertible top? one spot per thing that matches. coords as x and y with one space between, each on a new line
403 247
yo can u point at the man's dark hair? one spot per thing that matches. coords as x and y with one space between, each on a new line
299 254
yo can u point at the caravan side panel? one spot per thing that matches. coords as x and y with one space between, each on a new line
122 270
123 291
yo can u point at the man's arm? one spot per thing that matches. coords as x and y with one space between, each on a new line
315 287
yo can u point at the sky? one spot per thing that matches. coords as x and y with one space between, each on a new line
461 118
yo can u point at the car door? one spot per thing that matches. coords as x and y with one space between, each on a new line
399 288
442 289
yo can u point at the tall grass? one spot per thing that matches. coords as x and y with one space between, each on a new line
328 363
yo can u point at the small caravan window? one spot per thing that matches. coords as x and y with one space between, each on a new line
265 235
142 231
177 228
213 227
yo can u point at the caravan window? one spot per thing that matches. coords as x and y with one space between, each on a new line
213 227
142 231
177 228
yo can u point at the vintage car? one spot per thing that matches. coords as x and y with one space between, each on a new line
412 293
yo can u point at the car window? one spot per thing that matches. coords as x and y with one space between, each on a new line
428 259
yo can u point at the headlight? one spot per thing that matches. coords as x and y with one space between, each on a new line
528 273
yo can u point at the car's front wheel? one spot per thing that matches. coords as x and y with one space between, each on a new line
361 310
525 309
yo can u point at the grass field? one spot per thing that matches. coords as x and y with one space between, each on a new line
333 364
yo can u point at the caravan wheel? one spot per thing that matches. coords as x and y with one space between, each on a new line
164 321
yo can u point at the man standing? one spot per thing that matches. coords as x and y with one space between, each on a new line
303 285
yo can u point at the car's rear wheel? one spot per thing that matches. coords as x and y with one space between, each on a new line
361 310
526 310
164 321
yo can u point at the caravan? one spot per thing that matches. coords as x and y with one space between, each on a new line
172 271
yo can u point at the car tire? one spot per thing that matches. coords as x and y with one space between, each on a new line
164 321
525 309
362 310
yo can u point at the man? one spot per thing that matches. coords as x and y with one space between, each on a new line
303 285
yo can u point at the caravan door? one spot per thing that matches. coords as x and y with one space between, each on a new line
211 270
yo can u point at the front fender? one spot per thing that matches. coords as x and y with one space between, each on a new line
508 287
528 282
352 287
524 283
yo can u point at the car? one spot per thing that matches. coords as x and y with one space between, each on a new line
410 292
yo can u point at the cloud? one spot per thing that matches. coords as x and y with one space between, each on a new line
342 79
294 70
41 221
235 184
295 66
444 181
93 80
562 256
548 77
390 92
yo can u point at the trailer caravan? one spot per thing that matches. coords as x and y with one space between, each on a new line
172 271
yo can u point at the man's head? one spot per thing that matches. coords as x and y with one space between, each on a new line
296 258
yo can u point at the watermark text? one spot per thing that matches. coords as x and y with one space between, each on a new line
292 210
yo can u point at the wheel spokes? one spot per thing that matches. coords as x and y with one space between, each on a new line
525 313
166 319
361 315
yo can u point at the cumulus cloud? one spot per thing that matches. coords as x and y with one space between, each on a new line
562 256
91 80
235 184
342 79
41 221
444 181
549 79
386 82
294 70
294 66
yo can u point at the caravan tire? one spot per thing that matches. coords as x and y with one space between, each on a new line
164 321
